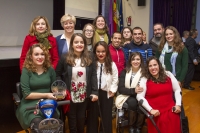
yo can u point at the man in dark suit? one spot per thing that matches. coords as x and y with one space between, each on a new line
191 45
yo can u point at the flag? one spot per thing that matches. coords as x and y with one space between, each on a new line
115 17
111 18
121 22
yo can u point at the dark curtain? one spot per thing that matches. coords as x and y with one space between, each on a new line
177 13
58 12
161 12
182 15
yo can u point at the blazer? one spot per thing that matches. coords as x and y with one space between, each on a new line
60 43
190 44
64 72
30 40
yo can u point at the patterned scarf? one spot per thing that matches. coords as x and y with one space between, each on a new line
42 38
173 57
100 35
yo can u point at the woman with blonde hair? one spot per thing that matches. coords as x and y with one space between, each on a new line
68 23
40 32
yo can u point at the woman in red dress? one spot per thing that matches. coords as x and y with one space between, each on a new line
159 87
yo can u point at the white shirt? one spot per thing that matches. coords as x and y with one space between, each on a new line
108 82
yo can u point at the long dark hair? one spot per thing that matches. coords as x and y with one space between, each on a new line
162 75
85 56
108 60
131 57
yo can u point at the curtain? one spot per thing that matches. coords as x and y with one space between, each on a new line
177 13
182 15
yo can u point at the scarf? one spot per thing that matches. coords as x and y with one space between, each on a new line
120 99
172 60
97 37
42 38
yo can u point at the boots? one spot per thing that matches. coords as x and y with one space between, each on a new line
132 119
139 122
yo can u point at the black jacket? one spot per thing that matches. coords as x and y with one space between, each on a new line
191 45
64 71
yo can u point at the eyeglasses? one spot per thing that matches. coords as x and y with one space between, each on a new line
89 31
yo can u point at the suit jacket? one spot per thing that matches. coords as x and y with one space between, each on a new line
60 43
191 45
30 40
64 69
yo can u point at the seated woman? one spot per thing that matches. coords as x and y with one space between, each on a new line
36 79
159 86
128 88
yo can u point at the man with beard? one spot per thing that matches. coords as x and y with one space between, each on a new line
158 30
191 45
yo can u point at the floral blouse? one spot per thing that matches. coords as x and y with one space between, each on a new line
78 83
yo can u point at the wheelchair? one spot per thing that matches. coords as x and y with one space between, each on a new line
17 99
122 118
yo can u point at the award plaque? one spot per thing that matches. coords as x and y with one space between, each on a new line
58 88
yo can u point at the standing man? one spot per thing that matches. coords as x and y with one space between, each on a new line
117 55
116 51
192 61
185 35
137 45
158 30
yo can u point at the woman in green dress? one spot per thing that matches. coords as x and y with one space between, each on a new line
36 79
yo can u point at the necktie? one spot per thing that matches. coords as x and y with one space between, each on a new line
100 76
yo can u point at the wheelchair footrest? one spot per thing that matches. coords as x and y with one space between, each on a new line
123 121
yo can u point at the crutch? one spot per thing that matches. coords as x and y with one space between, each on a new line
148 115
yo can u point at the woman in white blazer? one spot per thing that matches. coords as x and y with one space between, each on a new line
107 76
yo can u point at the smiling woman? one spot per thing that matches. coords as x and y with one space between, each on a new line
68 23
40 32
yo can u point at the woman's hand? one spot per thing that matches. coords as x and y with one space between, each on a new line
111 94
94 97
51 96
177 109
155 112
138 89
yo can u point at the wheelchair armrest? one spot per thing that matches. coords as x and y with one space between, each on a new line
16 98
125 105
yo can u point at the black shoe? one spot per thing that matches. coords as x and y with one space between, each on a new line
131 130
189 88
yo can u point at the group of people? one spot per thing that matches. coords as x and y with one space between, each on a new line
95 65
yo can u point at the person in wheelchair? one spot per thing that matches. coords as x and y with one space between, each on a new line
128 88
159 87
36 79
